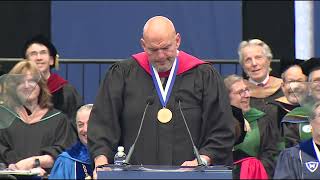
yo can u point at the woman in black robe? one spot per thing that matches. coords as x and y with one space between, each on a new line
258 148
35 133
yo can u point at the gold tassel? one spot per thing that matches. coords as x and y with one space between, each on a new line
56 64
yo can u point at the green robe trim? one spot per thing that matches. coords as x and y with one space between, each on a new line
300 112
8 116
251 142
300 116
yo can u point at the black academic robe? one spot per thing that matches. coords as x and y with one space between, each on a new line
48 136
264 146
287 130
65 98
298 162
265 105
262 98
284 106
296 127
121 100
68 101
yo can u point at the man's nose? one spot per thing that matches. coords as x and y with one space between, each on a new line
254 62
161 53
85 128
38 57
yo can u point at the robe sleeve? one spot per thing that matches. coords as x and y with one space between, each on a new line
288 165
63 169
217 133
6 154
104 127
268 146
73 100
291 134
63 138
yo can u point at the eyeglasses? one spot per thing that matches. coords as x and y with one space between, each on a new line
293 82
242 92
28 81
315 82
31 83
35 53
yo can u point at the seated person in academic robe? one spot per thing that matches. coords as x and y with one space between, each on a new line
37 133
302 160
295 124
290 111
255 58
75 163
139 87
291 73
259 146
64 96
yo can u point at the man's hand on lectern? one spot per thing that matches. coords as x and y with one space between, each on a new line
195 162
98 161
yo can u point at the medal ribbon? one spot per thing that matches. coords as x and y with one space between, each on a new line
164 94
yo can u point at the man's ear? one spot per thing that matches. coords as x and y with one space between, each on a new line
282 86
143 44
178 40
51 61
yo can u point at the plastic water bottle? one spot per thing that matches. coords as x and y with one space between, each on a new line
120 156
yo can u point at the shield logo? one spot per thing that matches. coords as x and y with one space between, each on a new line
312 166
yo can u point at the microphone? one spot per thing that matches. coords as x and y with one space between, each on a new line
195 149
149 101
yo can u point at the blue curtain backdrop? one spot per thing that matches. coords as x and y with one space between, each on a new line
102 29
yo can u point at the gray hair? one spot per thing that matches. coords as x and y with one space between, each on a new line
313 114
254 42
230 80
87 107
283 74
311 73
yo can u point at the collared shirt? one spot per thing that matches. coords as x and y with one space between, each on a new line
263 83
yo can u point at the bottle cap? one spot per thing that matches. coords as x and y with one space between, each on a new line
120 148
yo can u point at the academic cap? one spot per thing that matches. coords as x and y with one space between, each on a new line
286 63
310 65
41 39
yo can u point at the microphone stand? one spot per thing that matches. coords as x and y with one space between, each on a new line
195 149
126 162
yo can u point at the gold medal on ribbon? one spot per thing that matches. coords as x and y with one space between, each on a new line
164 115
